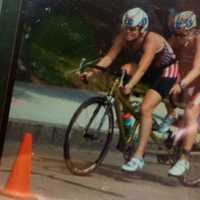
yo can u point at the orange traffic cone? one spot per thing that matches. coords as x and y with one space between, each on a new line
18 185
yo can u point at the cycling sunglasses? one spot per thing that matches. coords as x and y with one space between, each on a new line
132 29
181 33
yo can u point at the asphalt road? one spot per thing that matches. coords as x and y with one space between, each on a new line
51 180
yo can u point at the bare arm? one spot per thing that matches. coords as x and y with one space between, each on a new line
195 72
107 60
150 50
118 44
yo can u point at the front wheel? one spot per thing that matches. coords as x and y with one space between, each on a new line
88 136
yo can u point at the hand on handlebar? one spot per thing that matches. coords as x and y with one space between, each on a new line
126 89
176 89
86 75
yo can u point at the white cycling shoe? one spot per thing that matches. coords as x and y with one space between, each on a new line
133 165
180 168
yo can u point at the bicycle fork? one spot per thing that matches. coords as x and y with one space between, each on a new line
108 103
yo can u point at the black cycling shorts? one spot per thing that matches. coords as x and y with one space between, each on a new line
161 85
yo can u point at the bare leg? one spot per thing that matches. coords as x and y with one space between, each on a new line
169 118
170 109
189 132
151 100
191 124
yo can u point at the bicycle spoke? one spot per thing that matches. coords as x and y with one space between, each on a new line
88 136
92 118
102 121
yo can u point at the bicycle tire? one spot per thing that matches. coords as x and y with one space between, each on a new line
81 167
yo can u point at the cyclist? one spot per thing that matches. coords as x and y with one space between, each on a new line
157 64
184 46
186 43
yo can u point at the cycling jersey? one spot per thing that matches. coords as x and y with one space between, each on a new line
163 71
164 59
167 61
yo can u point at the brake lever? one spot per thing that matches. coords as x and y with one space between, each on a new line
121 84
81 65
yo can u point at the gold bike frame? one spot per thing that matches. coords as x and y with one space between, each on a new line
120 100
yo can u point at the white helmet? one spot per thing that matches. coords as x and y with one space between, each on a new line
135 17
185 20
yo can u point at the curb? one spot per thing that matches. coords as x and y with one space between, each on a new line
42 132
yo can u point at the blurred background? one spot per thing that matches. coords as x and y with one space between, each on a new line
56 34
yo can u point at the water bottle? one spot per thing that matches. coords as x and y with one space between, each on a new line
128 122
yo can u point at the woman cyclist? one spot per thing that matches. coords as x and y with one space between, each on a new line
186 44
157 64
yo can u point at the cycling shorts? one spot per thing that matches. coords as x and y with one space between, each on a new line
156 81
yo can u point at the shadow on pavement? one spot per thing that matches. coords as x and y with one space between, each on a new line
115 173
111 171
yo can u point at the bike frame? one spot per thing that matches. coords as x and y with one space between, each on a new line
116 97
116 100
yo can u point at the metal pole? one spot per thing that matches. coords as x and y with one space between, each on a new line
9 43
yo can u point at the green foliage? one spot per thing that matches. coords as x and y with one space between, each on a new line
56 45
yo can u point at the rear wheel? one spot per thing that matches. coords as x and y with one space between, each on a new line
88 136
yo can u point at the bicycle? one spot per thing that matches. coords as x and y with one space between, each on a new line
93 123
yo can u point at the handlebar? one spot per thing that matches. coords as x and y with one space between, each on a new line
84 64
122 74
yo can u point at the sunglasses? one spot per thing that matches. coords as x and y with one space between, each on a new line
181 34
132 29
